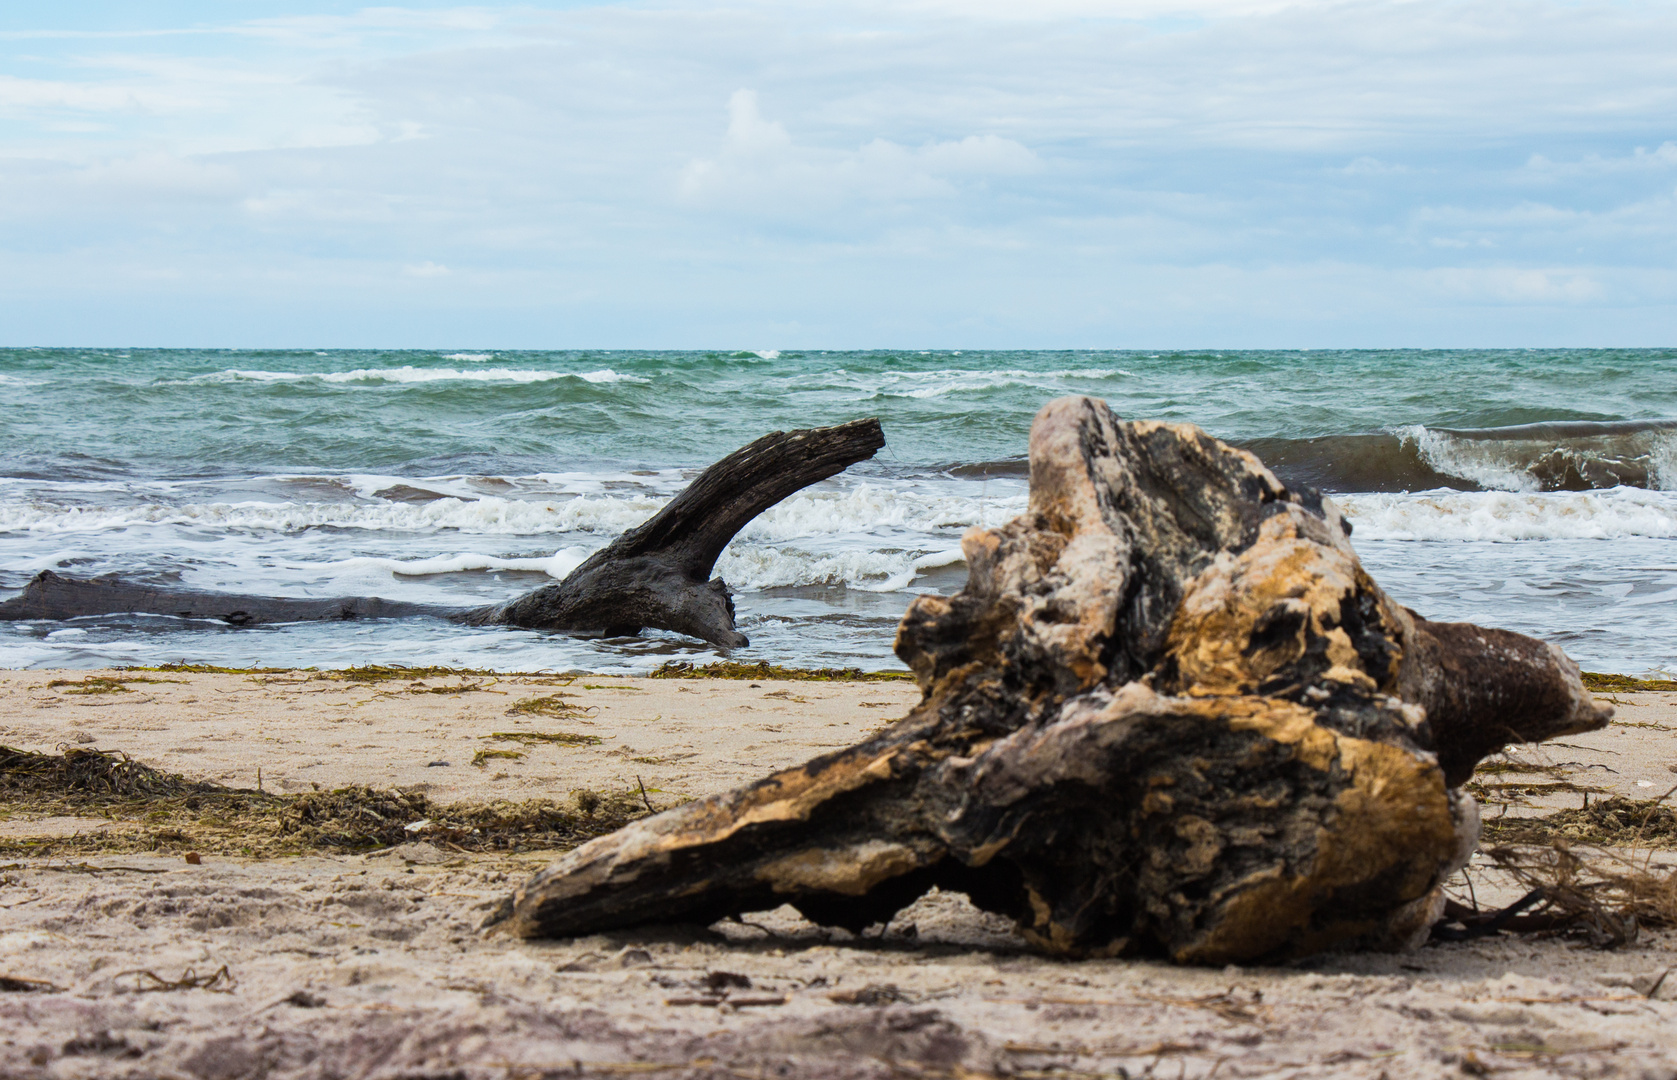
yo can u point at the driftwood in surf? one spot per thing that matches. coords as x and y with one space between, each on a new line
656 574
1169 714
52 596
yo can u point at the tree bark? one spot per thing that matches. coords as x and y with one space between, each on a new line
656 574
1168 714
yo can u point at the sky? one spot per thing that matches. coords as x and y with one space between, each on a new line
787 174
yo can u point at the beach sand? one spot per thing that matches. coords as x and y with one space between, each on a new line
327 965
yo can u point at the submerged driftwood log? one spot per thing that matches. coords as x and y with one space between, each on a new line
1169 713
656 574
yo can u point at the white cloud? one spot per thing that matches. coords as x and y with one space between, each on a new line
425 270
762 170
1641 159
1518 285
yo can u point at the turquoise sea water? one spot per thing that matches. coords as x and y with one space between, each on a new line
1523 488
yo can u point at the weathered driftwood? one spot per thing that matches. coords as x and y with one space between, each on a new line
657 574
50 596
1169 713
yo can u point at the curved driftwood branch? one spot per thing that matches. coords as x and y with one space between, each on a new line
656 574
1169 713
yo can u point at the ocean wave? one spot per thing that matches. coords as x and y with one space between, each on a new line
486 516
944 382
752 567
862 509
867 508
472 357
410 374
1615 514
746 567
1571 456
557 565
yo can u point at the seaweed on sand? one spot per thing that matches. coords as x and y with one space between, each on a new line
102 684
551 705
151 810
483 757
1596 680
533 738
733 669
1613 822
1576 881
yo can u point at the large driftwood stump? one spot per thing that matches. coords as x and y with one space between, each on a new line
656 574
1169 713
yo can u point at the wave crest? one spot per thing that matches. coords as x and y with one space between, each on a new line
411 374
1571 456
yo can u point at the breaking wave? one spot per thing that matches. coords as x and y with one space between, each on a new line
410 374
1571 456
1614 514
862 509
746 567
941 383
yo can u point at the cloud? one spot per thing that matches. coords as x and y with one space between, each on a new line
1520 286
1641 159
761 170
961 173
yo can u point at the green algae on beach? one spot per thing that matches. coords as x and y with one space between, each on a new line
762 669
1596 680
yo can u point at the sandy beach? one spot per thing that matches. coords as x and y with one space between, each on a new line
133 962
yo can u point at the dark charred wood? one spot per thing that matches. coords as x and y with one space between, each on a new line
1168 714
656 574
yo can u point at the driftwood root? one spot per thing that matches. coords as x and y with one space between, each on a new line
1169 714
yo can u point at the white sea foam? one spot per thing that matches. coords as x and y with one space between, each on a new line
557 565
767 354
930 384
472 357
487 516
751 567
746 567
410 374
862 509
868 508
1611 514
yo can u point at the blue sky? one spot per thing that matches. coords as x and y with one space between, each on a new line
962 173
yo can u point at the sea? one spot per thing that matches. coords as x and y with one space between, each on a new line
1533 489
